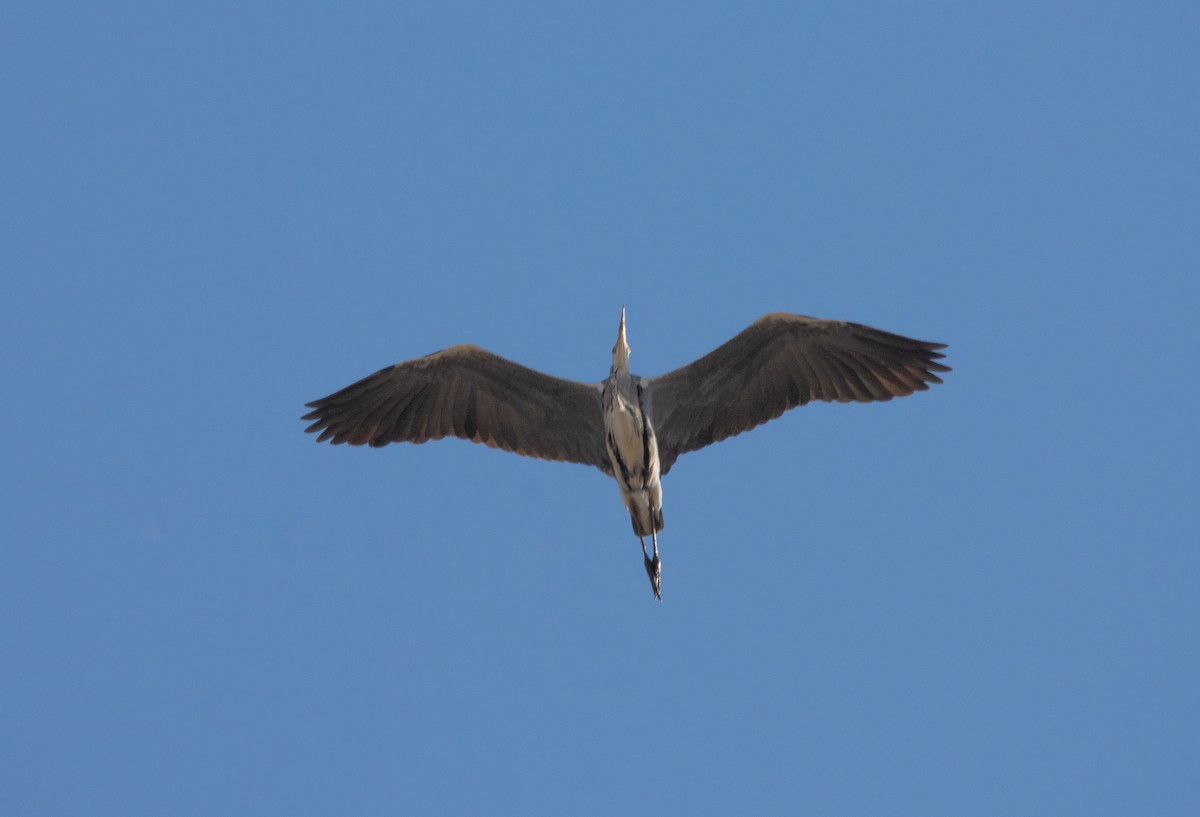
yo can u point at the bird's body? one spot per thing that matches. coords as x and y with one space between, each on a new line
631 428
633 453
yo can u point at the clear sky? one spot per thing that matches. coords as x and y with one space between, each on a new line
980 600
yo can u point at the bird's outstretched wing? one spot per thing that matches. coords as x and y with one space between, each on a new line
779 362
468 392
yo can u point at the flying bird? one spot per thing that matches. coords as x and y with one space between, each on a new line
632 428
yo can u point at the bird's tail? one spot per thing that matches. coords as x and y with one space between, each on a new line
646 521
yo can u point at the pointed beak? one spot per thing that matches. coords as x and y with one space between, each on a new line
621 349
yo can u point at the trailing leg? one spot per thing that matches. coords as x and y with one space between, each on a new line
653 566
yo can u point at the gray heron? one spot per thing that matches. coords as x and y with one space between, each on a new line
632 428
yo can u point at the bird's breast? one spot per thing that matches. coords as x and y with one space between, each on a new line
632 445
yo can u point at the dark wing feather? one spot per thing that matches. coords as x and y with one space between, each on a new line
779 362
468 392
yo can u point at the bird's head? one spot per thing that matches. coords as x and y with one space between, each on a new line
621 350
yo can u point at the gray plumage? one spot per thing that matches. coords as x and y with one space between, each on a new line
631 428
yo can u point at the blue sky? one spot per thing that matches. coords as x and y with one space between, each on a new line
979 600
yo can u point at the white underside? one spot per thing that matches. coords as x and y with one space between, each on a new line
643 495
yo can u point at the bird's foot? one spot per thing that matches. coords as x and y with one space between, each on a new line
654 571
